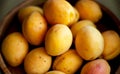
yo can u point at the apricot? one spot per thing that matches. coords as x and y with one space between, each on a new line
77 16
99 66
14 48
55 72
26 11
34 28
58 39
89 43
69 62
37 61
76 26
89 9
112 45
59 12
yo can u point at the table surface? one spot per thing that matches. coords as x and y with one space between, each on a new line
7 5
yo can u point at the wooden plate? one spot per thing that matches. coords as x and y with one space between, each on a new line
10 23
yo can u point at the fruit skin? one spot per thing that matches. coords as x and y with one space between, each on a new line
98 66
25 12
112 45
58 40
34 28
14 48
76 26
89 9
69 62
37 61
55 72
89 43
77 16
60 12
